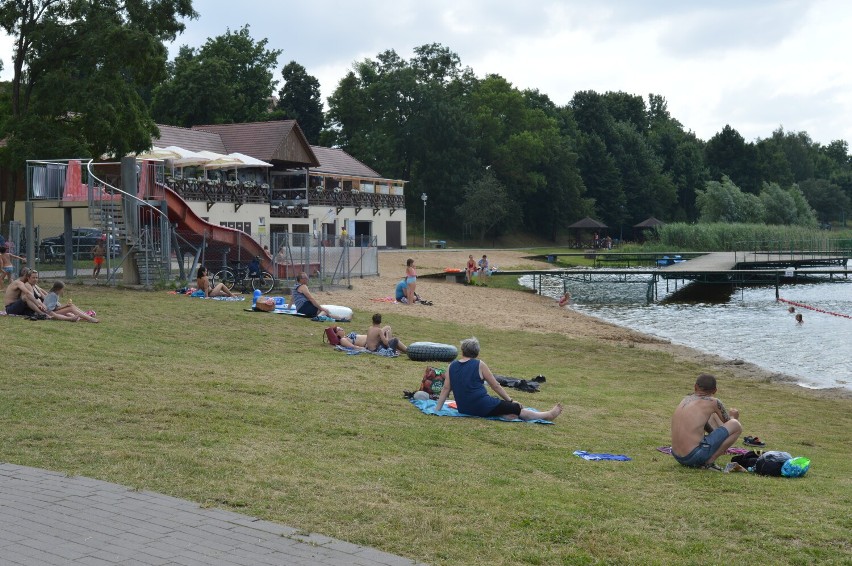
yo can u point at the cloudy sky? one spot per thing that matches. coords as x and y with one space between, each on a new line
754 64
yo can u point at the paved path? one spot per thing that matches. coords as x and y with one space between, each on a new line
49 518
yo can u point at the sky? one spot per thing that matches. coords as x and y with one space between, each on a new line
755 65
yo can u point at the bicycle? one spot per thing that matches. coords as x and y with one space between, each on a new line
229 276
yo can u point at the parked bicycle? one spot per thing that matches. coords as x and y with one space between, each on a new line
248 277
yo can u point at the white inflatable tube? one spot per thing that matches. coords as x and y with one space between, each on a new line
339 313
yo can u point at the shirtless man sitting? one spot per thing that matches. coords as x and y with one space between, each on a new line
697 413
379 336
20 299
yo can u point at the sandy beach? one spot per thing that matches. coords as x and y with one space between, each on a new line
498 308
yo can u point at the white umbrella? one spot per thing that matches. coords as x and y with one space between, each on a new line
158 153
249 161
224 162
187 157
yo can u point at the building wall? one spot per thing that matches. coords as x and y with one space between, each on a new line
251 214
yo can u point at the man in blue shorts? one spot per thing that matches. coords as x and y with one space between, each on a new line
697 413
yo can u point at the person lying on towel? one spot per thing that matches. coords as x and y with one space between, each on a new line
466 378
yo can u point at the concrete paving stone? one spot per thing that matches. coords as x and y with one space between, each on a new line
269 527
113 555
146 559
92 561
384 558
312 538
36 556
49 518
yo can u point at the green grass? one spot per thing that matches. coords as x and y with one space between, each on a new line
250 412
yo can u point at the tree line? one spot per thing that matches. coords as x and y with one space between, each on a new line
93 78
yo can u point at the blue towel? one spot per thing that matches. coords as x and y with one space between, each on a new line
427 406
592 456
386 352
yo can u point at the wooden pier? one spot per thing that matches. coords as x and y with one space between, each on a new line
736 269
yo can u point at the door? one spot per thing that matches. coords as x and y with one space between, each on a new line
393 234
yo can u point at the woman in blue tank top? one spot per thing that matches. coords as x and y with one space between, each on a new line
466 378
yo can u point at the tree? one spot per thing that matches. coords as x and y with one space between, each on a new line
728 154
827 199
300 100
229 79
486 204
78 70
723 201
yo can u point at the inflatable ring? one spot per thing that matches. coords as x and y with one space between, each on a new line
432 352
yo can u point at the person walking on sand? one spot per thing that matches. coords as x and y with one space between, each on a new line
466 378
698 413
98 253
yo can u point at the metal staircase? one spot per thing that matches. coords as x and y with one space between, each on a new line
142 229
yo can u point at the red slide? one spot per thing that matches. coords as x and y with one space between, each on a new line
242 247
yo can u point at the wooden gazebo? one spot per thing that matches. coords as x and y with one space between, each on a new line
586 224
647 224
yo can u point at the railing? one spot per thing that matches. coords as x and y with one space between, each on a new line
794 249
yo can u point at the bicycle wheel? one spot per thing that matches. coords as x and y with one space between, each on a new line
265 282
225 276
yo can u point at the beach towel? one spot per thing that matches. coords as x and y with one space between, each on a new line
384 300
227 298
732 450
385 352
427 407
291 312
601 456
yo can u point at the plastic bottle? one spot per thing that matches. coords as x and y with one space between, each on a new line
255 297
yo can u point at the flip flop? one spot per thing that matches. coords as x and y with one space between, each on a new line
753 441
711 467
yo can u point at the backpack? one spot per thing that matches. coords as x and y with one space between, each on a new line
330 336
770 463
432 382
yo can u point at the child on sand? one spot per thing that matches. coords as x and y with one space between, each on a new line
6 264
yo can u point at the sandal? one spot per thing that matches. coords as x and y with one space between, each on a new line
753 441
711 467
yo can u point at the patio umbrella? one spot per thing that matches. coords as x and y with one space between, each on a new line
186 158
249 161
158 153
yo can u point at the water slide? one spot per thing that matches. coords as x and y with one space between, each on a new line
241 246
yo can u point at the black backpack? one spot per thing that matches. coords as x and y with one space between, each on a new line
770 463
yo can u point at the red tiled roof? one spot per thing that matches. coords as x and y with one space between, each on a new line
193 140
281 140
338 162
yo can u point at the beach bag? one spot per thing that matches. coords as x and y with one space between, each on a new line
770 463
795 467
265 305
330 336
432 382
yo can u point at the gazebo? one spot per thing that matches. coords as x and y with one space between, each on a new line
647 224
586 224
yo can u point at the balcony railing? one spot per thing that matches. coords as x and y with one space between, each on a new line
284 203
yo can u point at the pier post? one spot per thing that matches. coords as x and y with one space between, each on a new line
777 277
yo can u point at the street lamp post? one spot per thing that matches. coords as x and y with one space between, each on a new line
423 197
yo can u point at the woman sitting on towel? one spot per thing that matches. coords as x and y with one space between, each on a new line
465 378
202 282
304 302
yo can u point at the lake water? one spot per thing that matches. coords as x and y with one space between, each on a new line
749 325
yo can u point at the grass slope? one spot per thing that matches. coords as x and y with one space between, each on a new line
201 400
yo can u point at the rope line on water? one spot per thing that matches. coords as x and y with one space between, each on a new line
809 307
